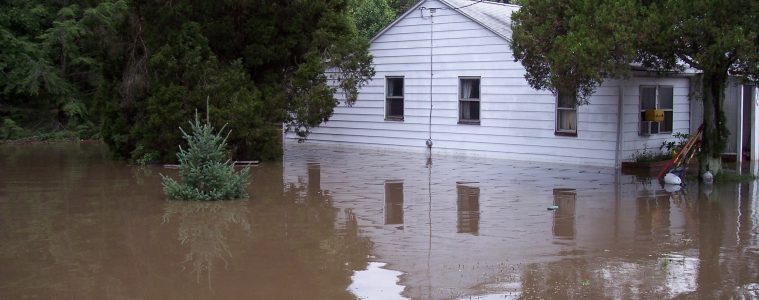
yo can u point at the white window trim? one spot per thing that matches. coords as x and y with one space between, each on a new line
657 106
458 103
387 97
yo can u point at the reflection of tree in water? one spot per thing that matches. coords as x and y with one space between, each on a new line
202 227
317 245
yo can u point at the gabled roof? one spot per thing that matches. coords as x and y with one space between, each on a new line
494 16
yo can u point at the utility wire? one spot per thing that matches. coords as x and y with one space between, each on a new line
432 34
451 8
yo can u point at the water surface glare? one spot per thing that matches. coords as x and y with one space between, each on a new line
341 223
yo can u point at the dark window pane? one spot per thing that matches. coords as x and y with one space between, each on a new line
647 97
567 100
469 110
665 97
395 87
469 88
395 107
475 110
666 125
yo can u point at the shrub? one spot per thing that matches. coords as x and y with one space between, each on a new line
646 155
206 173
674 146
9 130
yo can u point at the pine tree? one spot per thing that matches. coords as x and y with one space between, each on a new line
206 174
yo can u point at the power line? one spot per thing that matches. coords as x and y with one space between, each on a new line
451 8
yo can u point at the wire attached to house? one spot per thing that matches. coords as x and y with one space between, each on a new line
450 8
432 36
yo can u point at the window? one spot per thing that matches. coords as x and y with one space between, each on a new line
469 100
566 114
394 98
657 97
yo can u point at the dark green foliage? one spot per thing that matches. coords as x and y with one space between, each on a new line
9 130
132 71
51 64
576 44
400 6
206 172
264 63
371 16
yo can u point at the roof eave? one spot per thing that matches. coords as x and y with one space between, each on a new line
508 39
398 19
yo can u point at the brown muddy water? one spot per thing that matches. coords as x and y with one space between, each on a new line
344 223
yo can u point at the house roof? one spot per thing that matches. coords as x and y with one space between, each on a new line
494 16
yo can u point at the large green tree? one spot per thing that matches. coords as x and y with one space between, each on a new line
258 64
51 60
371 16
577 44
138 69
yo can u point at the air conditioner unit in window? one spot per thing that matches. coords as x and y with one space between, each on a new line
649 127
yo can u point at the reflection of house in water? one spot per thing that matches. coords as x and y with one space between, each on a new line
468 209
564 216
393 202
653 219
626 238
314 179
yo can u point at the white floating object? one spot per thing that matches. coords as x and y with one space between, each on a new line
708 177
672 179
671 188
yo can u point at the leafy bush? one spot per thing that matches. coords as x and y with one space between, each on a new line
206 173
674 146
646 155
9 130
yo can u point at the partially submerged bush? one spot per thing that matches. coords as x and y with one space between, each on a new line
206 173
646 155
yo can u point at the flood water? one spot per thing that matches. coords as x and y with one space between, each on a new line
346 223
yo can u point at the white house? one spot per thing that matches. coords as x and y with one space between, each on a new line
445 73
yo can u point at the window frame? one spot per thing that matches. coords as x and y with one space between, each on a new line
657 105
565 132
461 100
388 97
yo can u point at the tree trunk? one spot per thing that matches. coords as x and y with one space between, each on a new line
715 131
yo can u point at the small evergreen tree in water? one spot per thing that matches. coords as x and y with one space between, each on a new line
206 173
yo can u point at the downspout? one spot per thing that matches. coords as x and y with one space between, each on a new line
620 121
739 142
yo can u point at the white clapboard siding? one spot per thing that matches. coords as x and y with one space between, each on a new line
516 121
633 141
